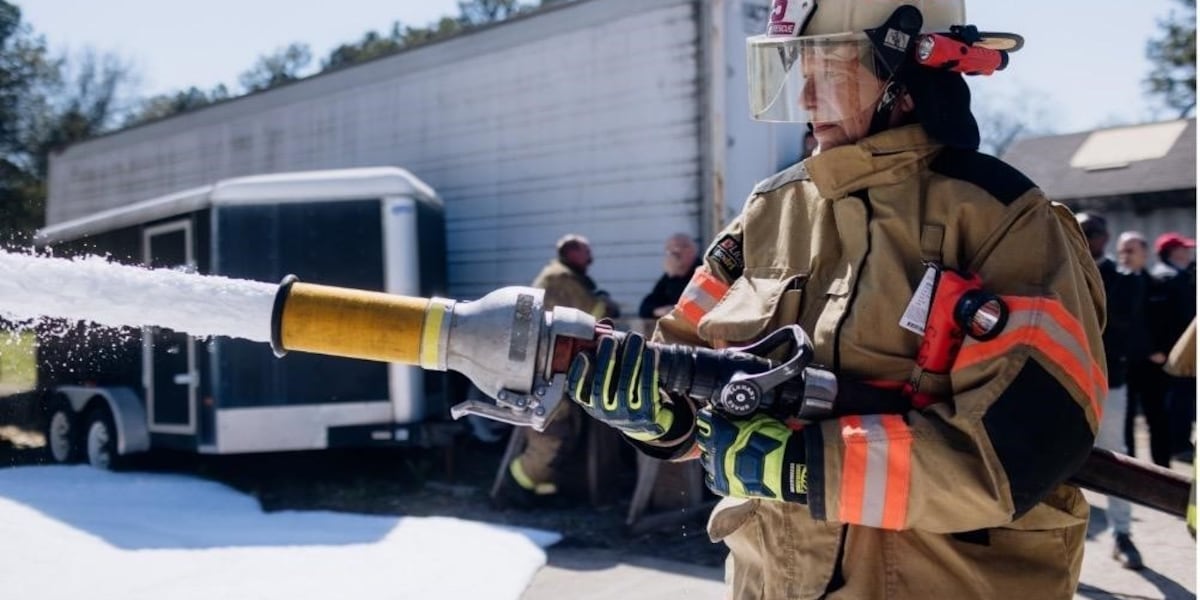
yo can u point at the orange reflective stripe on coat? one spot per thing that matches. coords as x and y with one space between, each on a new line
876 471
1046 326
702 293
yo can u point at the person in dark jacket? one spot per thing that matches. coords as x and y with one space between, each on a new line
679 262
1124 309
1147 381
1173 306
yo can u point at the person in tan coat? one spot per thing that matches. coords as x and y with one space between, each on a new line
533 476
962 498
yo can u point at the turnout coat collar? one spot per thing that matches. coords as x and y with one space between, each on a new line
884 159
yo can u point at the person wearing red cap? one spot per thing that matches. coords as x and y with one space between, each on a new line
888 498
1174 250
1173 308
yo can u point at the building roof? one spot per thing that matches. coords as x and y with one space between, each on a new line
1154 157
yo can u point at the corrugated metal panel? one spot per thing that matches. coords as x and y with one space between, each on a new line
583 119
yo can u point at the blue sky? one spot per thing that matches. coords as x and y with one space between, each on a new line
1082 66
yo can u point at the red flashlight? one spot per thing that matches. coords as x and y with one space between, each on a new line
938 51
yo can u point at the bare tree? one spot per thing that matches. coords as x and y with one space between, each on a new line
84 99
1006 118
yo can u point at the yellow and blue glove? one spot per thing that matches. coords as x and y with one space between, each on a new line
756 457
619 386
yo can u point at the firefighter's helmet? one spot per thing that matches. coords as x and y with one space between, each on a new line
841 51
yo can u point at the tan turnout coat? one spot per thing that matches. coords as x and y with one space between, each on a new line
962 499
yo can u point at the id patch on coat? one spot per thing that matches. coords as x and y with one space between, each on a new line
728 253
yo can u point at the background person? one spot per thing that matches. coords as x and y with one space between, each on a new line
533 477
1124 312
1147 383
1173 307
679 262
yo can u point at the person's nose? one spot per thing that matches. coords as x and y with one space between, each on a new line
808 95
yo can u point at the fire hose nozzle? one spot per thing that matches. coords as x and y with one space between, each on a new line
502 342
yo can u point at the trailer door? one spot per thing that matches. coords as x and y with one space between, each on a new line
168 357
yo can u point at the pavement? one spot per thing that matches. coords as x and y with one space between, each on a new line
592 574
1167 549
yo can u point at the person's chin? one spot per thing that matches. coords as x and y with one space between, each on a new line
829 136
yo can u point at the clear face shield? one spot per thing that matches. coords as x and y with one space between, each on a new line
818 79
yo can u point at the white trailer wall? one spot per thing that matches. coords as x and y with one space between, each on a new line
755 150
590 118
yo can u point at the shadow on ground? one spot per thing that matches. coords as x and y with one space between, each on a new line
400 481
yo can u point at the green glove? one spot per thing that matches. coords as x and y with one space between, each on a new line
758 457
619 386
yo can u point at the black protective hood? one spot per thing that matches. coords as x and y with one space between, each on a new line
943 102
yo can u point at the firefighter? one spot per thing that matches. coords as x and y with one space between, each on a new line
963 498
532 477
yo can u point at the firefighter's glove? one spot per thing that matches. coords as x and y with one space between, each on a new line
756 457
619 386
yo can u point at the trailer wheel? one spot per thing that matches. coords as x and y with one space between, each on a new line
101 439
63 435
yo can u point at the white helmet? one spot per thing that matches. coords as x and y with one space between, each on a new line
835 49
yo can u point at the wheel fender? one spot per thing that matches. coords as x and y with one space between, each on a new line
126 408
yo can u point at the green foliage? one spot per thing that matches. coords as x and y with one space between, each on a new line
372 45
444 28
17 361
483 12
472 13
1173 54
22 204
46 103
284 66
166 105
25 68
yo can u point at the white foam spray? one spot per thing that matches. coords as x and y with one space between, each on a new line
94 289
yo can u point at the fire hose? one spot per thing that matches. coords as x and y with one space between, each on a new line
517 353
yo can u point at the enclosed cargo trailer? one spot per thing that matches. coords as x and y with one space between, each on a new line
111 393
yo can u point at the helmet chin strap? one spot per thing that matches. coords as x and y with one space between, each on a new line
882 119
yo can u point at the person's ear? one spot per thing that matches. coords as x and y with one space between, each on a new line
906 103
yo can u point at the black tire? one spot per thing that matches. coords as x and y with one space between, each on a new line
63 434
100 440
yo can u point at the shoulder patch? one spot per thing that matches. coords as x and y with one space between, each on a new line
796 172
727 252
995 176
